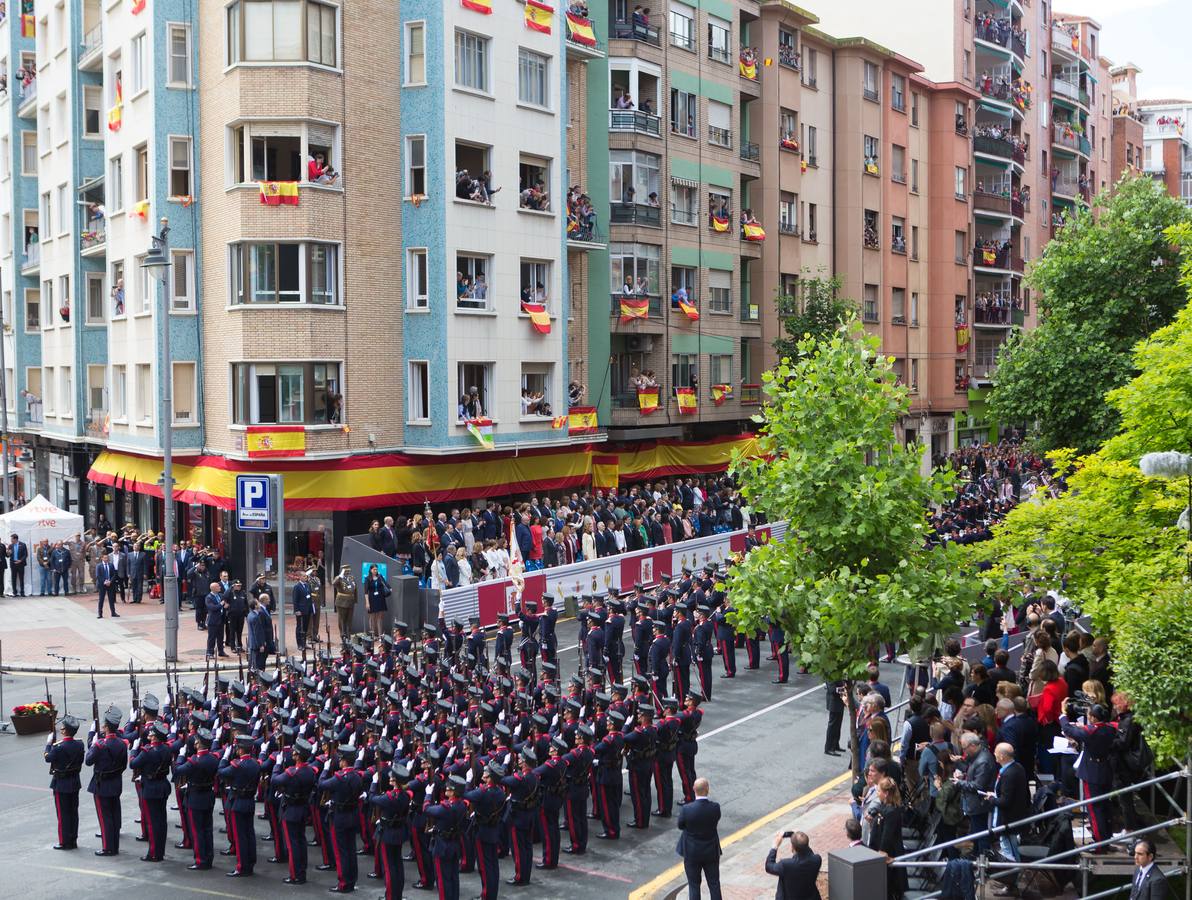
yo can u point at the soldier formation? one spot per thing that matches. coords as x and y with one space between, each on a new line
424 743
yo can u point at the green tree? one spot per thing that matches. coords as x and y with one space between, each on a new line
817 309
1107 281
853 571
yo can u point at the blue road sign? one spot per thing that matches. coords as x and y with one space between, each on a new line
254 511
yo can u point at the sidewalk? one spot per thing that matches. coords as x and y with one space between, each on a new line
32 627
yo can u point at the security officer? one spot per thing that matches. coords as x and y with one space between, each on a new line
659 661
237 611
393 808
689 722
304 608
547 638
108 756
200 770
641 748
488 807
449 818
681 651
66 761
552 783
343 788
295 785
579 767
524 800
214 604
240 777
664 759
703 639
608 776
1094 766
151 764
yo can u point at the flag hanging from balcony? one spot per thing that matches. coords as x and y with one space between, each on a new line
686 398
539 16
789 144
720 223
279 193
962 338
634 309
581 420
751 231
28 25
581 30
721 392
988 257
137 7
539 318
749 70
647 399
480 6
482 430
116 113
690 310
272 441
140 209
802 165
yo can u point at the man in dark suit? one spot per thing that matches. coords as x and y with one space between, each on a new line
1149 882
699 843
18 553
835 703
797 874
1011 802
1020 730
105 580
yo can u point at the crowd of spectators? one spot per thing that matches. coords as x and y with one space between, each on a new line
993 478
581 215
995 307
1000 133
997 31
477 189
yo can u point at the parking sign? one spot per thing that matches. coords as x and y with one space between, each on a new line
254 511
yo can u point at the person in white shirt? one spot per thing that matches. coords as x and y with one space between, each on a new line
465 567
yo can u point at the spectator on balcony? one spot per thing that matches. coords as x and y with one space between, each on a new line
628 194
575 393
480 288
623 101
318 171
679 295
648 106
463 287
749 56
641 17
747 217
652 200
97 212
643 285
535 197
578 8
117 295
627 288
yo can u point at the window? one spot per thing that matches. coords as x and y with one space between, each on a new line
719 40
634 266
32 309
475 381
95 298
898 305
869 232
182 288
914 242
684 112
282 31
415 56
28 152
633 175
684 198
683 278
92 116
898 234
810 65
34 399
535 282
898 163
63 212
119 391
720 368
720 124
536 382
43 119
914 176
183 396
684 370
533 87
49 383
788 128
115 191
180 185
961 241
812 141
872 151
915 109
914 307
286 393
961 174
63 290
534 184
720 290
898 92
870 81
144 393
141 173
416 165
788 213
682 26
967 65
140 64
285 273
274 151
179 59
417 280
418 391
914 385
471 61
47 220
146 284
66 394
471 281
117 288
869 303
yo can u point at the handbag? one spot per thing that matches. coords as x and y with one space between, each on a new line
155 591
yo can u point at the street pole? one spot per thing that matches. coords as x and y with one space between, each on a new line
159 258
277 485
4 412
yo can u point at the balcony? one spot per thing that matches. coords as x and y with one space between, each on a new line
751 395
999 147
870 239
720 54
27 100
1002 316
789 57
635 214
589 238
1064 40
634 31
91 50
786 227
654 311
1066 89
634 120
1062 135
751 151
987 202
93 238
32 259
996 31
750 312
98 424
870 94
984 371
992 259
582 42
720 137
1018 46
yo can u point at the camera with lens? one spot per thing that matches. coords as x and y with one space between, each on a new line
1079 703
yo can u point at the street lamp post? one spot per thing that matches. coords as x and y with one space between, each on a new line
159 258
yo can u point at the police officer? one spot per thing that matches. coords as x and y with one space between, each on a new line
151 763
295 785
449 818
488 807
393 809
108 756
200 771
342 788
66 761
524 800
240 777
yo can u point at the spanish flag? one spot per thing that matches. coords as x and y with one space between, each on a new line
581 420
116 113
647 399
789 144
141 209
751 231
539 318
988 257
721 392
271 441
749 70
482 430
558 422
720 223
28 25
686 398
480 6
581 30
137 7
802 165
539 16
962 338
690 310
279 193
634 309
606 470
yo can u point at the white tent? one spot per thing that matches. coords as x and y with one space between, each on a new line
39 519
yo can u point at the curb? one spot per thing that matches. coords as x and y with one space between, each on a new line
28 669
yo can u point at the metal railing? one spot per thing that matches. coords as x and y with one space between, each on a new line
633 31
634 120
721 137
92 40
635 214
992 202
1065 88
655 308
750 151
751 395
28 91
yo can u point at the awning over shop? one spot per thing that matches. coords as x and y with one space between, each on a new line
398 479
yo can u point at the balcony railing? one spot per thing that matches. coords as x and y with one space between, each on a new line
984 370
720 54
655 310
634 31
870 94
992 259
635 214
721 137
750 151
684 216
1065 40
1066 88
785 227
789 57
999 147
996 32
750 312
870 240
751 395
1069 187
1018 46
98 423
634 120
28 92
686 41
94 234
1018 208
92 40
589 235
998 203
32 255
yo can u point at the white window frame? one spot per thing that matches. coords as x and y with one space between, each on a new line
408 54
182 302
114 191
32 295
29 141
138 51
239 272
118 395
541 79
193 401
545 371
467 305
173 140
144 394
417 295
146 288
412 396
103 388
478 46
172 29
90 278
96 91
487 389
411 141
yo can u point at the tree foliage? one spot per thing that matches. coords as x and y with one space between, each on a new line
816 310
1107 281
853 571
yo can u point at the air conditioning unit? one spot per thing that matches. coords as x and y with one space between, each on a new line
640 343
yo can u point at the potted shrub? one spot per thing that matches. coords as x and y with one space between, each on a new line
33 718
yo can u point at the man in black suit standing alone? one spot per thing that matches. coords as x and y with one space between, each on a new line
1149 882
796 874
699 844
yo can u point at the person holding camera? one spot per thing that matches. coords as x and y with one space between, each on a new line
796 874
1094 766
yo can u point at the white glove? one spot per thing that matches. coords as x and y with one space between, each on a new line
468 777
227 751
182 754
376 779
352 739
286 705
327 705
136 745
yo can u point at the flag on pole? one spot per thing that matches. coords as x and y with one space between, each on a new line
517 565
686 398
751 231
581 30
634 309
721 392
581 420
482 430
480 6
279 193
539 16
647 399
690 310
539 318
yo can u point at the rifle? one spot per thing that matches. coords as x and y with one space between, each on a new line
207 680
170 693
94 702
217 677
49 697
136 700
240 663
327 625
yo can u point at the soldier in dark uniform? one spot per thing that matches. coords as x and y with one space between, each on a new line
151 765
304 609
781 653
275 763
241 777
342 789
835 702
200 771
726 637
108 756
393 808
608 776
528 646
641 747
503 644
547 639
524 800
449 818
552 783
753 650
66 761
488 807
579 767
689 722
476 644
614 641
1094 766
681 651
659 662
664 759
295 785
594 644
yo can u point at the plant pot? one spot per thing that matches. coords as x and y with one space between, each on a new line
42 723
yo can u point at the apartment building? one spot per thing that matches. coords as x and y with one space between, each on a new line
1127 143
1149 134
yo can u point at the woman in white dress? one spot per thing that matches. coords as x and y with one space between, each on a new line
465 567
588 541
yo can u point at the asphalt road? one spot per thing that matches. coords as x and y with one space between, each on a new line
760 744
